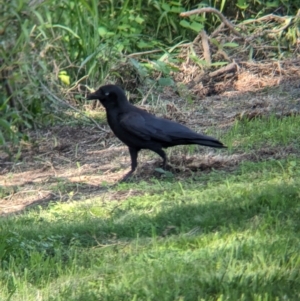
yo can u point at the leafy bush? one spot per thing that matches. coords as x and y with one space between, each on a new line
66 45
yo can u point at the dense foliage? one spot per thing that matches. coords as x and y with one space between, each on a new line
48 48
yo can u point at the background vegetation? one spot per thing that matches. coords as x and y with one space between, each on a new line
63 48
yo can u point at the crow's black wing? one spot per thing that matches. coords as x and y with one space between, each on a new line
169 133
145 126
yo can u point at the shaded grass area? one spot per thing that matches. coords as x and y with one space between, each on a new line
213 236
229 239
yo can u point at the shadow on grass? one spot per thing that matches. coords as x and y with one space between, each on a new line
120 243
180 213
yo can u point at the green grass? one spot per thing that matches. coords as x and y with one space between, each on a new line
214 236
228 239
263 132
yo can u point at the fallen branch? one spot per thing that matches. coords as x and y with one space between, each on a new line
269 17
228 68
215 11
205 45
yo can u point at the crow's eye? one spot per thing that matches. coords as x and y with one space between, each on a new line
107 93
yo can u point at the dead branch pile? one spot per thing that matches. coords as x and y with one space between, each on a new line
252 52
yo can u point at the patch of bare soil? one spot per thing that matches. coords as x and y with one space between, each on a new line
69 163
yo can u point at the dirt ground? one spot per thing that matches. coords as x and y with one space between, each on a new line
63 163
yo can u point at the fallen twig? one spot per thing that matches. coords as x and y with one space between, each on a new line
205 45
213 10
228 68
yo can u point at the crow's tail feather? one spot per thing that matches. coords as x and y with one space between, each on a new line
210 141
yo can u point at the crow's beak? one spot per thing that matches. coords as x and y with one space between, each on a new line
92 96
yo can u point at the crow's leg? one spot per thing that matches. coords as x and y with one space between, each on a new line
160 152
133 155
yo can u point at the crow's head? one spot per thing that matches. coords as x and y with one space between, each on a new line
109 96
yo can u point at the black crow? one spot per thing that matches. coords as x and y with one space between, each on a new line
139 129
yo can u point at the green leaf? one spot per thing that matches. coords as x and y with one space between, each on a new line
272 4
2 140
102 31
160 170
163 67
251 53
196 26
199 19
148 66
4 104
64 77
185 24
232 45
139 20
131 18
215 42
177 10
67 29
165 81
87 59
120 47
124 26
141 70
242 4
142 44
195 59
5 125
166 173
166 7
219 63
